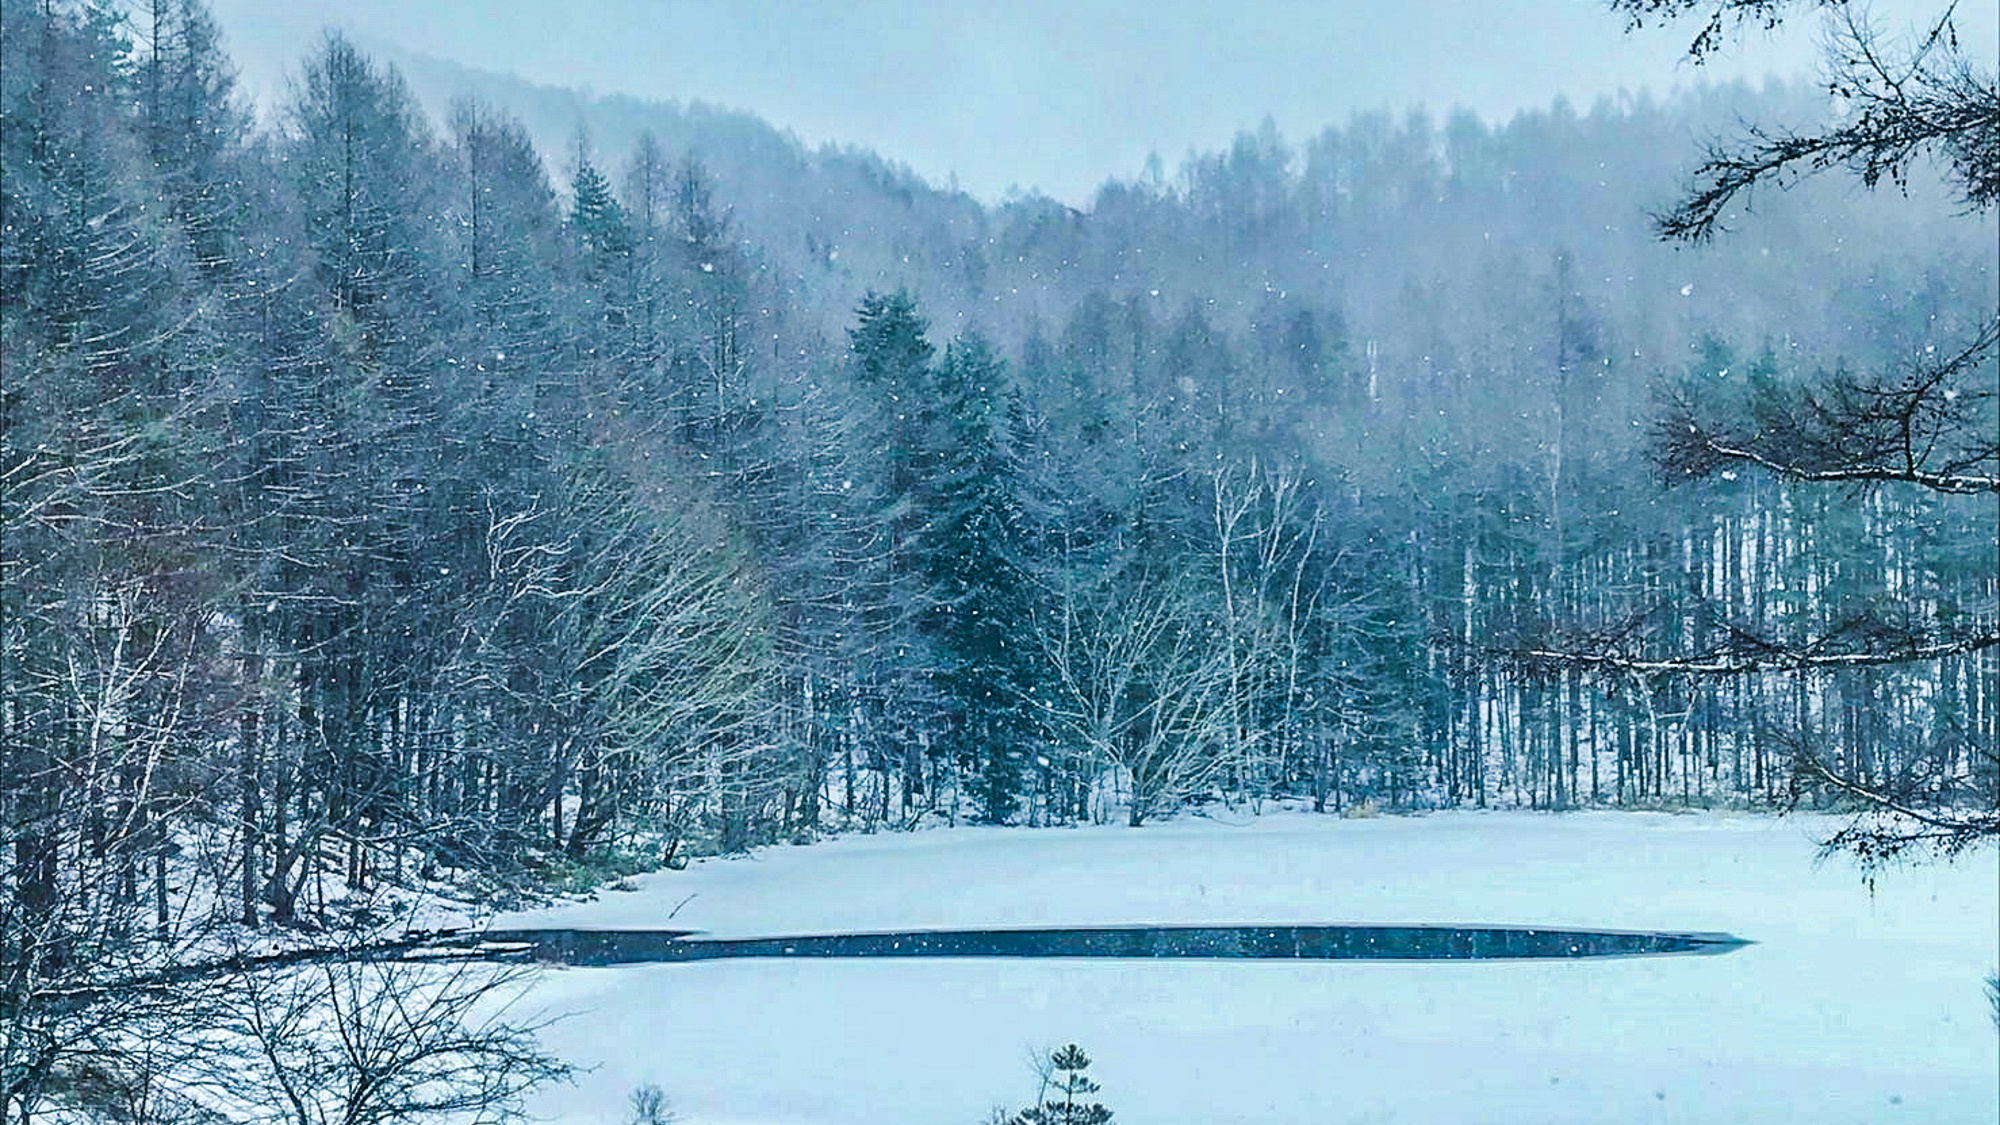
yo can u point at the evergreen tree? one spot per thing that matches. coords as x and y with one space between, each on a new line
606 349
978 617
891 357
1062 1101
889 344
596 217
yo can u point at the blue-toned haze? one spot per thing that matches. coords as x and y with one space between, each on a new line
1055 95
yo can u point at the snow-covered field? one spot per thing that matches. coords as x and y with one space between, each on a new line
1853 1007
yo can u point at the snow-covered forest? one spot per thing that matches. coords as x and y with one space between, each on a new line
446 483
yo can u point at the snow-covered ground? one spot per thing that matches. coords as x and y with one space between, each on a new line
1853 1007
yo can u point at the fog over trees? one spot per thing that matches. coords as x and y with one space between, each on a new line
453 482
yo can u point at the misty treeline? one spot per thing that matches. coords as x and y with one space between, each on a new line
381 507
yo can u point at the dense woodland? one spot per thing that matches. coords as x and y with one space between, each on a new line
397 493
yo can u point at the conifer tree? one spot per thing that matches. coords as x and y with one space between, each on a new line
1062 1102
603 245
978 618
891 357
595 215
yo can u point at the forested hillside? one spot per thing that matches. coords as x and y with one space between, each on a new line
382 504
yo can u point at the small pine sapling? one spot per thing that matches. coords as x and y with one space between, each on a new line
1063 1093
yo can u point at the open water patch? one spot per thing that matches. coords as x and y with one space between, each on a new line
1209 942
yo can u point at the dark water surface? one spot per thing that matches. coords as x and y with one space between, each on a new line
1264 943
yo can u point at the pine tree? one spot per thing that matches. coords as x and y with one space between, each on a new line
604 264
1062 1102
595 215
889 344
971 544
891 357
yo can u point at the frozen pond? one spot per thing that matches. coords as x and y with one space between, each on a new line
1852 1006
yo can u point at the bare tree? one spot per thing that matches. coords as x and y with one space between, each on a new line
1141 682
1264 533
368 1042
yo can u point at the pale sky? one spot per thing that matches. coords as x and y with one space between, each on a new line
1057 95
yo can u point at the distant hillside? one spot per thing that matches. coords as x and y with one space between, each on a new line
802 204
1364 217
